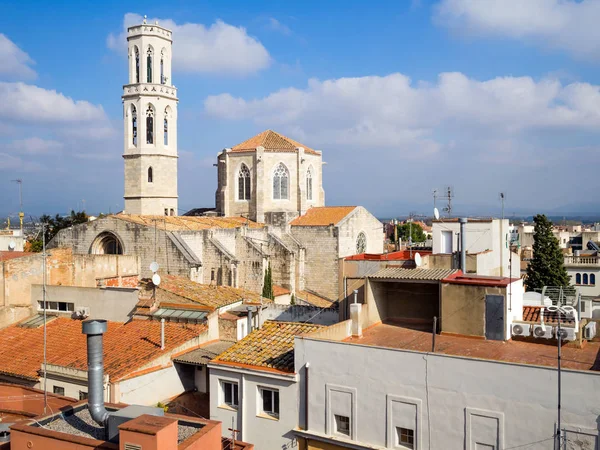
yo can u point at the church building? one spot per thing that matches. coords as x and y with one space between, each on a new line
270 203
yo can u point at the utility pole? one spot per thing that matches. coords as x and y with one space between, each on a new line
19 181
44 256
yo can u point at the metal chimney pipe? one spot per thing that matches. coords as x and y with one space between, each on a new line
162 334
249 319
463 248
355 295
94 329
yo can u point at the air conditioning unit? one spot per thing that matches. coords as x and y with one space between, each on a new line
83 312
542 331
567 333
589 331
520 329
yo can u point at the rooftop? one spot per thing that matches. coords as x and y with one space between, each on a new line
269 348
390 335
18 402
314 299
401 255
479 280
210 296
280 290
323 216
203 354
183 223
273 142
6 255
398 273
534 314
127 347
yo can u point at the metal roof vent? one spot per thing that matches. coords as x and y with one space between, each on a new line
94 329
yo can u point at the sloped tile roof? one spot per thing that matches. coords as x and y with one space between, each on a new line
534 314
271 141
6 255
271 347
208 295
314 299
183 223
323 216
280 290
127 347
398 273
204 354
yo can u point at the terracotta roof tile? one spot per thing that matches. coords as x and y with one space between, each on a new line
271 347
6 255
182 223
314 299
534 314
208 295
127 347
280 290
323 216
271 141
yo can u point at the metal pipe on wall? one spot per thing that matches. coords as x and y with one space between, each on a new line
463 248
94 329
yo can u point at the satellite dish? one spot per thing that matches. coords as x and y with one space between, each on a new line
418 260
436 214
156 279
154 267
12 245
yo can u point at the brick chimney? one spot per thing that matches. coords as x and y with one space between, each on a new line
149 433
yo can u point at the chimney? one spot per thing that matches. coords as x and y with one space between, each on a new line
94 329
162 334
250 309
355 316
463 249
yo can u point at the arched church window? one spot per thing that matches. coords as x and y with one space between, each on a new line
592 279
137 65
244 186
280 182
149 65
585 278
150 175
309 184
172 212
133 125
361 243
578 278
150 125
162 67
166 130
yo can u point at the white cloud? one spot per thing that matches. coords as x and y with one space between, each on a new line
391 112
11 163
218 48
22 102
15 62
35 146
276 25
568 25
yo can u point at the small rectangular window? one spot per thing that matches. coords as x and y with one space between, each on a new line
230 394
270 402
342 425
83 395
406 437
58 390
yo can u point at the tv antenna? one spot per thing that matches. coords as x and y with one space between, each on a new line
502 198
435 195
449 197
19 181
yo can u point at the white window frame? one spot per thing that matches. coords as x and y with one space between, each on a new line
234 385
263 390
399 442
337 428
50 306
330 414
470 412
392 440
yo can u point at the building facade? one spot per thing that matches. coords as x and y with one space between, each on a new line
269 178
150 123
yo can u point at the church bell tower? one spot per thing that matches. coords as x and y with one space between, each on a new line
150 119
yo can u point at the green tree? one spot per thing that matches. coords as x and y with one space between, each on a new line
404 231
267 291
547 266
54 225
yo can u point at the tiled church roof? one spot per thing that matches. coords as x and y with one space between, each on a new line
271 141
178 223
323 216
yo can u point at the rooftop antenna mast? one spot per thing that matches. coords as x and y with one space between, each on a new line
502 198
449 197
19 181
435 195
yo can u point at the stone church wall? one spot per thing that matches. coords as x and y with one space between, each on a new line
361 220
321 264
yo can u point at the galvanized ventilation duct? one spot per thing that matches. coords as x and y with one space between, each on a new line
94 329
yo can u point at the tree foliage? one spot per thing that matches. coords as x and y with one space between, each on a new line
404 231
547 266
267 291
54 225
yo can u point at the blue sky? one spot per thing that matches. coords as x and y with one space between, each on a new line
403 97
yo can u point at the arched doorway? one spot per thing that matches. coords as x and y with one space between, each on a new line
107 243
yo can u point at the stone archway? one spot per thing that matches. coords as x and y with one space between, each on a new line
107 243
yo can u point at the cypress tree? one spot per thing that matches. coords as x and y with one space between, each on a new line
547 266
267 291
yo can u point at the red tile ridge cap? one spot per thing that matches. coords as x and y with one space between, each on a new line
252 367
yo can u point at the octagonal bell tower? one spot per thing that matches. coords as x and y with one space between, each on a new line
150 120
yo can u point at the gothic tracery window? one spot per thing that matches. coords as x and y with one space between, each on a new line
150 125
133 125
361 243
309 184
162 67
166 130
280 182
149 65
244 186
137 65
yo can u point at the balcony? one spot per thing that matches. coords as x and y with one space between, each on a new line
582 261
